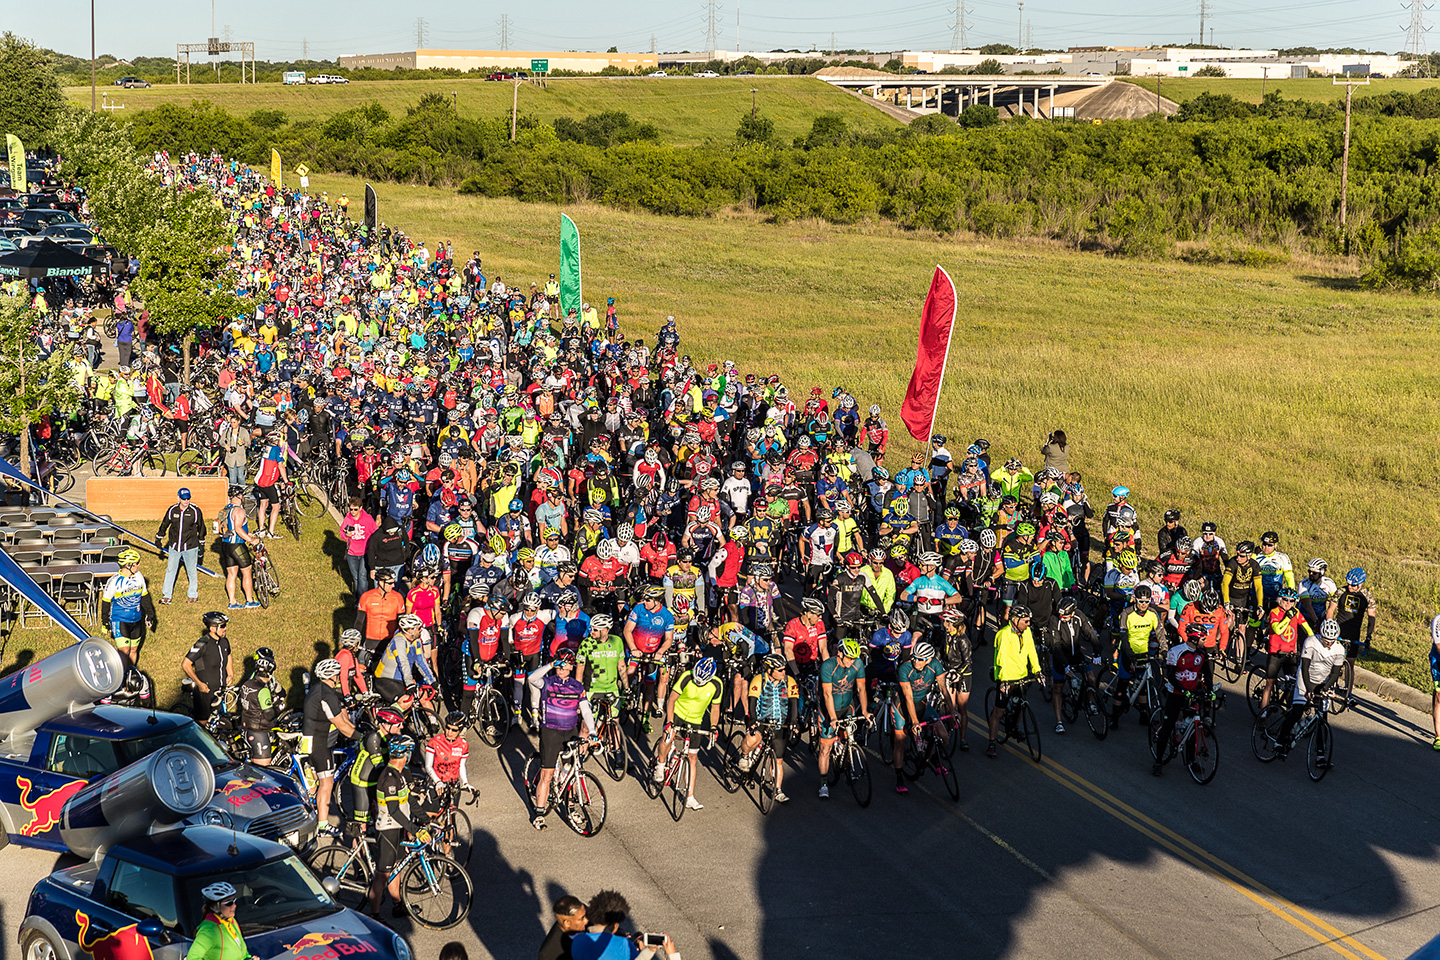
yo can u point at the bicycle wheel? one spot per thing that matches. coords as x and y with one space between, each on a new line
1094 715
1340 694
106 463
677 777
857 771
1201 752
1044 656
1160 752
1232 664
459 835
310 506
188 463
62 481
764 780
1031 731
614 750
272 572
1263 735
727 771
946 771
911 764
291 519
349 868
111 327
437 891
260 577
1254 689
584 804
1318 755
1070 701
152 465
492 717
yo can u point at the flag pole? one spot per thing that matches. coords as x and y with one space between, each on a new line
949 335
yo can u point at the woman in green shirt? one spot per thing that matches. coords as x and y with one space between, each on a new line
218 936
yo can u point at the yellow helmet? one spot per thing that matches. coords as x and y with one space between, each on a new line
1127 560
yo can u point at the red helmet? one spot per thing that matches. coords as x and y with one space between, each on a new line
853 559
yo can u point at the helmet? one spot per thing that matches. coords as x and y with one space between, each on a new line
1191 590
1126 560
761 570
899 550
1025 529
685 554
478 590
879 473
825 513
812 605
531 601
929 558
430 553
774 661
350 639
1172 515
605 550
601 622
455 718
215 619
565 658
327 669
401 746
409 621
899 620
593 516
1120 492
218 892
566 566
1208 527
625 532
923 651
874 409
388 716
385 574
567 598
1183 545
525 553
264 664
1269 538
1289 594
1126 516
740 533
1142 593
453 533
1068 605
1049 499
849 649
496 601
517 505
704 670
234 490
1013 464
1318 566
987 539
1356 576
128 556
1196 631
969 546
1330 630
1209 601
1020 612
654 592
1245 547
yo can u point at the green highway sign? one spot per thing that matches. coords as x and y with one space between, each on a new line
539 66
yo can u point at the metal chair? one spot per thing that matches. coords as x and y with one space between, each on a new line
111 552
42 516
78 588
24 535
67 533
14 517
28 609
67 555
29 557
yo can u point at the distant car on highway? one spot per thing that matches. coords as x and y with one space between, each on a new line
132 83
327 78
658 73
707 74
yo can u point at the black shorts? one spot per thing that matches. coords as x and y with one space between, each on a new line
387 850
260 746
322 759
551 743
235 555
1278 663
132 630
270 494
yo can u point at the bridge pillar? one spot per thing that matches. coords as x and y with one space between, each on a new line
992 94
1052 103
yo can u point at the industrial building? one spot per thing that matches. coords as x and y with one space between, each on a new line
579 61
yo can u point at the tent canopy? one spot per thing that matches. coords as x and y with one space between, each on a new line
48 259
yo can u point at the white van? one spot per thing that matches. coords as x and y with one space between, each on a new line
292 77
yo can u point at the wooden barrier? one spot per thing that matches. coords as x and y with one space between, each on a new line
147 498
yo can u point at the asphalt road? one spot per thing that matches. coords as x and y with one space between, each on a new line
1084 852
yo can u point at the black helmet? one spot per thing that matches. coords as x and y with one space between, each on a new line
235 490
1142 592
1020 612
1209 601
214 619
1208 527
1172 515
1068 606
1269 538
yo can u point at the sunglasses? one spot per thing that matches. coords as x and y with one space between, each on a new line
226 903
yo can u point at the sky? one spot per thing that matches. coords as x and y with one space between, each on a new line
283 30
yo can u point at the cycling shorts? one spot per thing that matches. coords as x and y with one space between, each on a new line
827 729
1278 663
127 633
322 759
551 743
697 733
387 850
270 494
922 712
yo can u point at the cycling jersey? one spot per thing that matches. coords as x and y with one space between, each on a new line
560 702
1284 630
647 629
527 636
402 657
1188 667
1239 580
1216 624
483 629
1138 628
1275 572
269 471
682 585
1318 592
124 592
929 593
1016 557
805 641
883 586
602 659
842 680
1353 607
1015 656
446 757
772 698
822 540
920 683
692 698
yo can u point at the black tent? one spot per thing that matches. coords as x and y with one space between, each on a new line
48 259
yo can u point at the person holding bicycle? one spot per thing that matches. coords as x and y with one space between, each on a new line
392 822
773 698
235 542
558 700
1283 626
323 713
1074 645
1320 664
842 689
209 665
693 708
446 753
917 678
1139 633
1015 662
957 659
261 698
1355 605
1185 678
482 643
352 671
365 771
805 643
599 664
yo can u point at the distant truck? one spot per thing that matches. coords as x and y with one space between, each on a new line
293 78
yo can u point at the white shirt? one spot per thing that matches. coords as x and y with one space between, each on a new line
1317 662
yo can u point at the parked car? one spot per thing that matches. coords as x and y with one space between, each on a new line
707 74
34 221
327 78
134 83
71 233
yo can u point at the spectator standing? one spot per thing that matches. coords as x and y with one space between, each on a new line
357 526
235 441
124 334
387 548
180 531
209 665
602 939
569 920
1056 451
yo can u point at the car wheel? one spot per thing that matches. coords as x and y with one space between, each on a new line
37 945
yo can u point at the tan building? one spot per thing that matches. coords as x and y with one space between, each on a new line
504 59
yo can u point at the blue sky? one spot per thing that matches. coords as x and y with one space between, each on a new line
153 27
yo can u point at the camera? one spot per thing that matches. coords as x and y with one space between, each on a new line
652 939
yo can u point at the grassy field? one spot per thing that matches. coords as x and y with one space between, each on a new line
686 110
1311 88
1284 398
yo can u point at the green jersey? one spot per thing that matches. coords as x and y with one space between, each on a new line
602 659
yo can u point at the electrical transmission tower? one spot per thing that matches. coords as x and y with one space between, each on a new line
960 26
712 24
1204 9
1029 44
1416 29
420 33
505 24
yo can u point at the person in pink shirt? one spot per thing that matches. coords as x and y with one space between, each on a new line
356 527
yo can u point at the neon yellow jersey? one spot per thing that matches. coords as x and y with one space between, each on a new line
693 698
1139 627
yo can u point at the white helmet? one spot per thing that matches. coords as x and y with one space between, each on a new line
874 409
217 892
327 669
605 550
601 622
409 621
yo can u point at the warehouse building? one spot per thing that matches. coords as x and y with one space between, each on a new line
497 59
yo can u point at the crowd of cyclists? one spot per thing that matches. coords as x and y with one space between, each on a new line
556 513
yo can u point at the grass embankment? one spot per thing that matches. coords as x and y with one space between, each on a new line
1311 88
1282 399
686 110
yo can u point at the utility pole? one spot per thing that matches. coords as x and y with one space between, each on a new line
959 27
1264 75
1029 41
712 29
737 30
753 91
305 49
1020 29
1349 86
652 44
419 33
1204 9
832 43
514 106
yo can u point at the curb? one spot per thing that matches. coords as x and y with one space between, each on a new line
1388 688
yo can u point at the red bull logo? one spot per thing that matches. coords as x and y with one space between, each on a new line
329 946
45 810
123 944
241 792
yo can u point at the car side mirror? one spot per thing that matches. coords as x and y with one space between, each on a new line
150 928
331 885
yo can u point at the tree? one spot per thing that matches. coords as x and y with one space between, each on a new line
988 68
978 115
933 125
755 129
613 50
30 95
1213 70
30 388
828 130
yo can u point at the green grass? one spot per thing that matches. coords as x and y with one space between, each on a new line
685 110
1311 88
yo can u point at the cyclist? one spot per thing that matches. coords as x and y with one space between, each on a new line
1186 669
1074 645
649 632
1210 554
842 690
1283 626
1140 633
1317 593
322 717
1355 604
1276 573
352 672
879 595
845 596
394 818
1319 666
525 631
127 606
957 657
931 593
600 662
209 665
365 770
483 642
236 560
446 753
558 700
1167 536
805 643
218 936
773 698
1238 586
261 698
1016 555
405 653
693 708
684 592
378 611
1015 662
916 677
817 548
268 481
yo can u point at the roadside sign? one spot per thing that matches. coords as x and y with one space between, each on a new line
540 66
302 170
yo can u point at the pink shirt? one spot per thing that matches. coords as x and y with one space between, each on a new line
357 529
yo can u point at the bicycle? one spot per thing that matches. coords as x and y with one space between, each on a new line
575 790
1019 720
1314 725
614 749
451 824
923 751
1255 686
675 777
1342 691
128 459
428 879
848 760
263 575
1078 693
1193 738
886 694
491 716
759 780
1234 660
295 503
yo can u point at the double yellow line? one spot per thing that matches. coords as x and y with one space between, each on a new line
1247 886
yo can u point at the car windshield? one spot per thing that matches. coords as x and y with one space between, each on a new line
274 894
129 751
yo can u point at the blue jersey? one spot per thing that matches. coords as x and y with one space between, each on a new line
886 650
399 500
929 593
649 629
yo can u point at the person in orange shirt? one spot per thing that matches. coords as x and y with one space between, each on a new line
378 612
1207 613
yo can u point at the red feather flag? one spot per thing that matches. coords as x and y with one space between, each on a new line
936 323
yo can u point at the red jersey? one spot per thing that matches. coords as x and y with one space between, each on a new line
350 672
603 574
1216 624
806 640
528 636
1285 629
484 632
445 756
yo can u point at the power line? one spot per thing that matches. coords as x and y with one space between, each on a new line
712 25
505 24
1415 32
960 27
420 33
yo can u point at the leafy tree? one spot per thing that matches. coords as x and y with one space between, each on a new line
988 68
755 129
30 95
998 50
933 125
30 388
1213 106
979 115
1411 263
613 50
1212 70
828 130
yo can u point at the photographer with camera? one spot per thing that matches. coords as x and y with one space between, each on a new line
602 939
